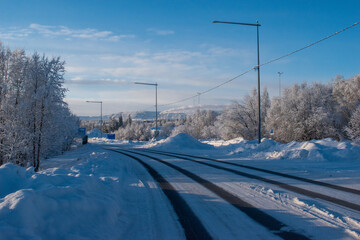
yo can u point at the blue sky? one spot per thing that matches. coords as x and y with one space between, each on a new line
108 45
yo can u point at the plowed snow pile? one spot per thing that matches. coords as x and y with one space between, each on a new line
182 141
319 150
85 194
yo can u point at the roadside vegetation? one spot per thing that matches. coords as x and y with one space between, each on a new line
35 122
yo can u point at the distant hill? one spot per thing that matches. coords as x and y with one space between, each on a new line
93 118
170 114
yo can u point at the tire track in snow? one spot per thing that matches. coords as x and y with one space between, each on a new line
277 183
275 226
323 184
193 227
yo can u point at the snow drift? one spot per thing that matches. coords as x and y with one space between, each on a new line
182 141
90 194
316 150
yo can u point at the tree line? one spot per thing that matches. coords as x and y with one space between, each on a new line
304 112
35 122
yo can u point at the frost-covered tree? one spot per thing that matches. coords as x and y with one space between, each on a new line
353 128
241 119
35 122
113 124
121 122
128 121
303 113
199 125
346 94
135 131
166 129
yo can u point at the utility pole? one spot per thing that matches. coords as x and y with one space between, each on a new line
280 83
256 67
199 99
156 107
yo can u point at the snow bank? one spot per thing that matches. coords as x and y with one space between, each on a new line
56 204
181 141
92 196
316 150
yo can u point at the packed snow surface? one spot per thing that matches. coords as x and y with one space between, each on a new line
92 193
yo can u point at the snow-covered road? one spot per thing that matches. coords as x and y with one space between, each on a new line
312 218
95 193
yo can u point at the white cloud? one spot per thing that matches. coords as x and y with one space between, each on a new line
75 69
175 67
102 82
160 32
61 31
14 33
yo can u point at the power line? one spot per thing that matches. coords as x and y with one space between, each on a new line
310 45
266 63
209 90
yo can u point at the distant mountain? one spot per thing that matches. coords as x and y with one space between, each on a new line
93 118
149 115
192 109
170 114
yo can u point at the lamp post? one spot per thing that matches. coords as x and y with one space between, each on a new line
257 25
101 121
156 111
199 100
280 83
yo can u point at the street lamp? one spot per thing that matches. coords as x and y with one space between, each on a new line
156 111
199 99
280 83
101 121
257 67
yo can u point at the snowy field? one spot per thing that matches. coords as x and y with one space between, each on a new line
93 193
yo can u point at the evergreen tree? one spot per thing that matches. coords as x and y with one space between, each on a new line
121 122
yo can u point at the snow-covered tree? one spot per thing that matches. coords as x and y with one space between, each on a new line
135 131
128 121
113 124
199 125
35 122
353 128
241 119
121 122
346 94
303 113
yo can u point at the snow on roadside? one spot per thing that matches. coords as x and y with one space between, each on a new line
316 150
85 194
179 142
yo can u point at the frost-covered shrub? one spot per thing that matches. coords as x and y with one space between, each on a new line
166 129
134 131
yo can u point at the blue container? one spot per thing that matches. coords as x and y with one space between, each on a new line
110 136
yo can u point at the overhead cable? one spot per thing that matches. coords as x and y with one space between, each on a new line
266 63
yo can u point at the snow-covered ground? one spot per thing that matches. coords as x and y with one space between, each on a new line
92 193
